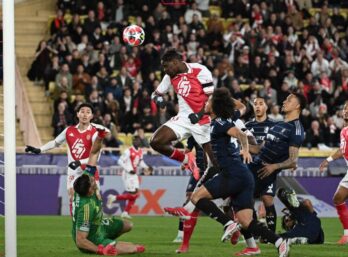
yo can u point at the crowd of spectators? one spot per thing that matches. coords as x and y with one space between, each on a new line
257 47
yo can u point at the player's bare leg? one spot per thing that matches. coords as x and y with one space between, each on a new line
339 199
128 248
271 214
161 142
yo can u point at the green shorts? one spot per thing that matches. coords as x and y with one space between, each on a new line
110 229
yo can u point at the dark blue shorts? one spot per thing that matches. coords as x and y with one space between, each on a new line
236 182
266 186
310 230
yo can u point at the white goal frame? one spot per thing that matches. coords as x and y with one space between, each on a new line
9 128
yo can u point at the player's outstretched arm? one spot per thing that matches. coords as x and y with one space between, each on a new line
60 139
83 243
338 154
96 147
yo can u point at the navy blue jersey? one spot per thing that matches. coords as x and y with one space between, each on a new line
200 160
278 140
224 147
260 129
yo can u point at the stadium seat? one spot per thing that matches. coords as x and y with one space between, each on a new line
214 9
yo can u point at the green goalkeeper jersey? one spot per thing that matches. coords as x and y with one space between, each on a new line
87 217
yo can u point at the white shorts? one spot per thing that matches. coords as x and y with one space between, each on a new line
71 179
183 128
344 181
130 181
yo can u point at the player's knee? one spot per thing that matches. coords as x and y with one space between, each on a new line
127 226
337 199
155 142
245 223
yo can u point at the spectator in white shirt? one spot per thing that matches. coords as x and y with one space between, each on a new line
320 65
190 12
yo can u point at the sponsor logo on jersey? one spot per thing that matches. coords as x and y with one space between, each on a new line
270 188
71 135
184 87
78 148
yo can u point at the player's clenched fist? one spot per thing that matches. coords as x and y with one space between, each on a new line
32 149
109 250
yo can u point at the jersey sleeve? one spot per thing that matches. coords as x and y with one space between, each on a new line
206 79
125 162
94 137
60 139
224 125
343 141
84 218
297 135
164 86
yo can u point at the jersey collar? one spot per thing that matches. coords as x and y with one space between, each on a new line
82 131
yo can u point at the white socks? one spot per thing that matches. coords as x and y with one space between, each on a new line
250 242
190 207
278 242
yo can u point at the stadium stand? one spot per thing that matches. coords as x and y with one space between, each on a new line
282 47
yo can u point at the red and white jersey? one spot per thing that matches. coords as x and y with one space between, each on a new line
192 88
132 159
343 145
79 144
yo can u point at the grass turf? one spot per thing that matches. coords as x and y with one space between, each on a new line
50 236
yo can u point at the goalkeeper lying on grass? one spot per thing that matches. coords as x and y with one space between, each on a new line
91 232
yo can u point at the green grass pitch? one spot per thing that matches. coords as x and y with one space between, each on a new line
50 236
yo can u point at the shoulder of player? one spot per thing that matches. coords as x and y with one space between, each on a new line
270 121
250 123
198 68
296 126
344 131
223 121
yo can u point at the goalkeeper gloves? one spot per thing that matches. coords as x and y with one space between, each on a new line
74 165
159 100
90 170
109 250
31 149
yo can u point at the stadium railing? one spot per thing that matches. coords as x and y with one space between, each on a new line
25 114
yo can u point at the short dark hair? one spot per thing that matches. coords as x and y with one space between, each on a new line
171 55
222 103
262 97
82 185
88 105
301 99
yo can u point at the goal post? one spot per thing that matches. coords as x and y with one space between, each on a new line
9 128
